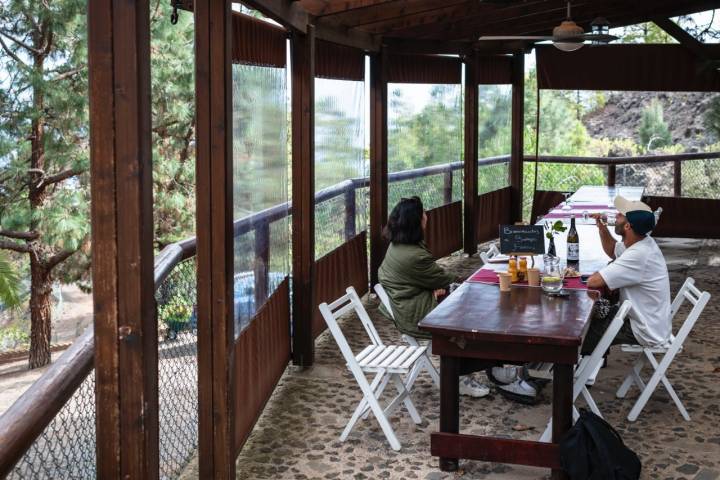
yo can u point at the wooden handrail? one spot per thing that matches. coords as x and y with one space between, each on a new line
640 159
25 420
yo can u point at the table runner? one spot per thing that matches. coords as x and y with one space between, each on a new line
490 277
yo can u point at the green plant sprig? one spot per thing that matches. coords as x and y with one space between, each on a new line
554 228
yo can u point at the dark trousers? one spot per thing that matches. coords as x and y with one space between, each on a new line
600 321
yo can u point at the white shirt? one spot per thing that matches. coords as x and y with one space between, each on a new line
641 275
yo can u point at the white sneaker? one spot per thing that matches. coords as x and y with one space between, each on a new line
520 391
472 388
503 375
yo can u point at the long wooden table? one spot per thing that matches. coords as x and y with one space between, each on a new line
478 322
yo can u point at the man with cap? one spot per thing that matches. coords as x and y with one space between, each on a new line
639 273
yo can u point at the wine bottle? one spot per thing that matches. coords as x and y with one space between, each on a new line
573 243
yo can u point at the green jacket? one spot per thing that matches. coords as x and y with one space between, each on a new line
409 275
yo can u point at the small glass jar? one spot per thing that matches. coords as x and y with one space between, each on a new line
552 277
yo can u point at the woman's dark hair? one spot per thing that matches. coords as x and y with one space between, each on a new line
405 222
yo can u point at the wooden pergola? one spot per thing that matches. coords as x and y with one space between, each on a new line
122 206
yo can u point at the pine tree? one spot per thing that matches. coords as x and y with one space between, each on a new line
43 145
653 132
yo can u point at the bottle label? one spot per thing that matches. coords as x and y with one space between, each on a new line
573 253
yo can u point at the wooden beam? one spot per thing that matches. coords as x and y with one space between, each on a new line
378 161
343 36
287 13
341 6
374 18
216 335
403 45
470 155
517 140
125 323
693 45
303 194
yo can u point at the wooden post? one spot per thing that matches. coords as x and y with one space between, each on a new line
262 263
125 324
516 153
216 328
350 212
378 161
677 177
471 155
611 175
447 186
303 194
562 406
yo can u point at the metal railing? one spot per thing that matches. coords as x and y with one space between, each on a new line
49 432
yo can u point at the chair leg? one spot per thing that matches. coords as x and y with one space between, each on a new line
363 407
591 402
405 392
374 406
432 370
647 391
632 377
670 389
378 393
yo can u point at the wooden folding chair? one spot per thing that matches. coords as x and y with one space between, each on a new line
647 354
588 364
426 364
386 362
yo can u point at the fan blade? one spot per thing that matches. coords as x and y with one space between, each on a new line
534 38
598 37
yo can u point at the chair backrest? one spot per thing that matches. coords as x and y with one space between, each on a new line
348 302
688 292
384 299
491 252
587 365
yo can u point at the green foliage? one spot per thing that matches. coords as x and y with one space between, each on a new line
653 132
553 229
12 338
9 283
711 117
646 32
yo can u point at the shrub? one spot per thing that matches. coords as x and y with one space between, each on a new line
653 132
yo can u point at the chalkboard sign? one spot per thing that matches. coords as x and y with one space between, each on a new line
522 239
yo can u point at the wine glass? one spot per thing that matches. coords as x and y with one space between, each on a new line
566 205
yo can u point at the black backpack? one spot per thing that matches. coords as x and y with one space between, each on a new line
593 450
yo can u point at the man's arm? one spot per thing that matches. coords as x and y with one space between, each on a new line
596 282
606 238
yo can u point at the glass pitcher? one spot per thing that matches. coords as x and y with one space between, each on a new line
552 278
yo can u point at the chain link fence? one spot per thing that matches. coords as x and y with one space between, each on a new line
66 448
701 178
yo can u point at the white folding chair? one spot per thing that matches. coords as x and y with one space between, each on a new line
491 252
426 364
589 364
386 362
646 355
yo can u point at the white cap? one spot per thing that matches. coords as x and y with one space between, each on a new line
624 205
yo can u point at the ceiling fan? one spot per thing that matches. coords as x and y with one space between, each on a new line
567 36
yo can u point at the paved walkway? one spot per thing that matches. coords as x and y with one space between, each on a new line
297 436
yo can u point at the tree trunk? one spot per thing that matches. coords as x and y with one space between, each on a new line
40 313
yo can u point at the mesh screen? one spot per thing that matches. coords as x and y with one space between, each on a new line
260 181
701 178
339 156
494 135
66 448
424 129
657 178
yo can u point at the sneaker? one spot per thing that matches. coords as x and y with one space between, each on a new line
502 375
472 388
519 391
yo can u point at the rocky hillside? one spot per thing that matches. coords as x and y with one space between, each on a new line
683 113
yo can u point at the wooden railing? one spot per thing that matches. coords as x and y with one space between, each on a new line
25 420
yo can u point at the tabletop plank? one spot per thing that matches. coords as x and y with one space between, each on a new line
480 312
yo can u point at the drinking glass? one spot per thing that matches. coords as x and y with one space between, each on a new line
552 277
566 205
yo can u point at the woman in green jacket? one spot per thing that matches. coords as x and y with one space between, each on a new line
412 278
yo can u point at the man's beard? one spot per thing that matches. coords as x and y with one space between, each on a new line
620 229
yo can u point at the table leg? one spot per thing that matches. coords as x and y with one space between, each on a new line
562 407
449 404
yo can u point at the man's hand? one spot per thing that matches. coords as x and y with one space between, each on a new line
596 281
439 293
600 219
606 239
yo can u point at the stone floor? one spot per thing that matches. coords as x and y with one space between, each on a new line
297 436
